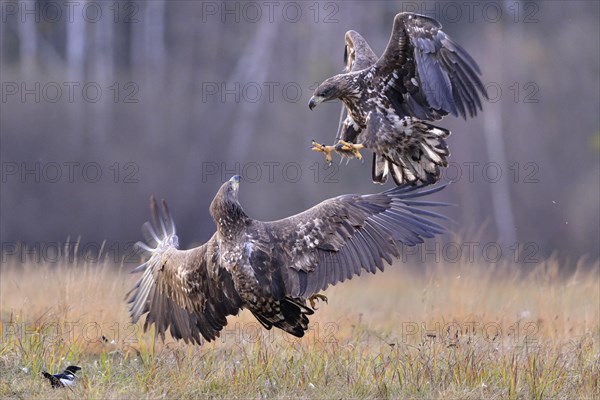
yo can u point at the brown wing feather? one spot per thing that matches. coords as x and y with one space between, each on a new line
358 55
340 237
428 73
185 292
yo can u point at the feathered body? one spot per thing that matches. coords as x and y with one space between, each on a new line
270 268
422 76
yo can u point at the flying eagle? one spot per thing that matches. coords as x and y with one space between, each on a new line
270 268
421 76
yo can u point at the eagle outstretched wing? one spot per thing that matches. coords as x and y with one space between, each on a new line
270 268
340 237
431 73
358 55
183 291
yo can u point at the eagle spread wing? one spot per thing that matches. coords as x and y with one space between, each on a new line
343 236
358 55
184 290
425 73
270 268
422 76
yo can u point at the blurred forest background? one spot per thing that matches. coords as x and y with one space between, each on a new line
105 103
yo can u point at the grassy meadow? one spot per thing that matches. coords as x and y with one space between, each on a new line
441 330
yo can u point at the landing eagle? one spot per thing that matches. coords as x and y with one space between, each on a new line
422 76
270 268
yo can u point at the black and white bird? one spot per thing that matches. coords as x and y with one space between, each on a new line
66 379
421 76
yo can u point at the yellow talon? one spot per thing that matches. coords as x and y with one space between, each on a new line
352 147
321 148
313 299
345 149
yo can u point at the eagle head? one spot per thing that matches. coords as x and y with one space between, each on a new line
225 208
332 88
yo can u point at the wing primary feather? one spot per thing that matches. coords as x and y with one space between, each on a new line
139 268
420 211
352 258
386 246
363 252
155 218
373 250
413 191
167 219
149 234
421 226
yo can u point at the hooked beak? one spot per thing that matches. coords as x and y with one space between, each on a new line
314 101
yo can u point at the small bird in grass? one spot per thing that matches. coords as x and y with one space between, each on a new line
67 378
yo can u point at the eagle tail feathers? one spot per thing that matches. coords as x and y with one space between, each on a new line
295 320
292 316
414 158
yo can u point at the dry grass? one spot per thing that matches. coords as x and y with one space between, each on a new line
449 331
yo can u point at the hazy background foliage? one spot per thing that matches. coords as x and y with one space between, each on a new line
158 127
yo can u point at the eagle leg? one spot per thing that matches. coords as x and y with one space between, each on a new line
314 298
346 148
321 148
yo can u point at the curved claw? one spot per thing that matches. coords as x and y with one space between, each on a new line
316 297
321 148
347 148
